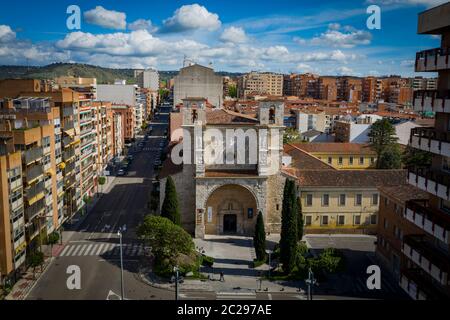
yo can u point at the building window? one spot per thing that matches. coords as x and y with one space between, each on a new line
386 223
357 220
341 161
358 201
324 220
445 205
351 160
325 200
309 200
341 220
372 160
375 199
373 219
330 160
361 160
342 200
278 207
308 220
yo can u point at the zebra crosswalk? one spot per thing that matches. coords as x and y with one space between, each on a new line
101 250
236 296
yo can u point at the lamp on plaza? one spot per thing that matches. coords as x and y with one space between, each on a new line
176 270
119 233
269 252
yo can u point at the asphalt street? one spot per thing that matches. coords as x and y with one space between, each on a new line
93 245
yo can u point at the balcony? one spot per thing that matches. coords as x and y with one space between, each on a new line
436 182
33 172
417 285
431 140
33 155
68 125
68 111
433 60
69 182
429 258
34 192
431 101
70 167
68 154
35 209
432 221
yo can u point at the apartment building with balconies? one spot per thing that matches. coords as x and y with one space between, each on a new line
425 259
103 122
30 139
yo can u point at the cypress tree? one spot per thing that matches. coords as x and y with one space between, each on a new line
288 241
259 240
170 208
300 222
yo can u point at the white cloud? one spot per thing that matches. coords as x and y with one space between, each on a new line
142 24
407 63
191 17
303 67
343 70
6 34
106 18
335 38
234 35
335 55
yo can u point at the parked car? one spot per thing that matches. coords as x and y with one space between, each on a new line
121 173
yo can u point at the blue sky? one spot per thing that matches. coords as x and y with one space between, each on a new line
325 37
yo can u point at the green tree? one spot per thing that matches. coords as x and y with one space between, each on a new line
291 136
36 259
53 239
232 91
391 158
167 240
288 241
382 136
300 222
170 208
259 239
413 157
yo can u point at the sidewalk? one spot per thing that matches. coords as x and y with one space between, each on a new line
27 282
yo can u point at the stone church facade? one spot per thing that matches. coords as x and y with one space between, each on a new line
217 193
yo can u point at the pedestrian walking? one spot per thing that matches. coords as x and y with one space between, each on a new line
222 278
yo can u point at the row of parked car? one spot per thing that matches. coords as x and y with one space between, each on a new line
125 166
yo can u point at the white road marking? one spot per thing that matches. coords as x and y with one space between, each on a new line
100 248
82 249
75 252
88 249
64 251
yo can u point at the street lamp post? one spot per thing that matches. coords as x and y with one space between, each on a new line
119 233
269 252
310 282
176 270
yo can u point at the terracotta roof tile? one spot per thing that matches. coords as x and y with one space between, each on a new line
404 193
228 117
305 161
349 178
335 147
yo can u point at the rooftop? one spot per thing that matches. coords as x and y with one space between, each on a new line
222 116
404 193
335 147
348 178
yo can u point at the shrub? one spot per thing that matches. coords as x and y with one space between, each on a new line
207 261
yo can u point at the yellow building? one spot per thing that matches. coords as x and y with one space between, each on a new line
336 201
342 156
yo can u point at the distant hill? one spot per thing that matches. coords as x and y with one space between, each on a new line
103 75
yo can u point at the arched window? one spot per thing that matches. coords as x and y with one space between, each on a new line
272 115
